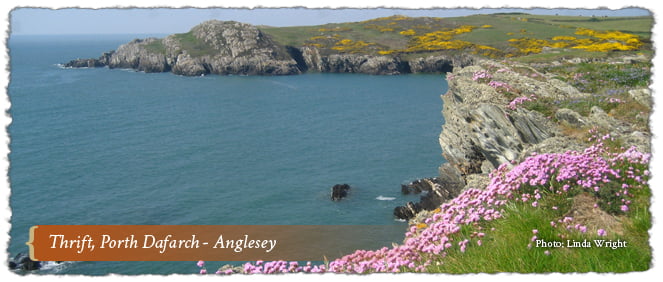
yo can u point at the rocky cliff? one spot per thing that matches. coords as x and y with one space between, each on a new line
486 125
227 47
213 47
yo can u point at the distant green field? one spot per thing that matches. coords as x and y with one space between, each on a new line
411 37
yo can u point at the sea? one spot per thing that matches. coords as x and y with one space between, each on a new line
98 146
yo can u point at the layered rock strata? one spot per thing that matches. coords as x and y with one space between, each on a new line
484 129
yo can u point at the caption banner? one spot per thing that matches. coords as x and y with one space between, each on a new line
203 242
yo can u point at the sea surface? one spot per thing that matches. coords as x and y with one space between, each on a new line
112 146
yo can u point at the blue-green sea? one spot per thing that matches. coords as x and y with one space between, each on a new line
112 146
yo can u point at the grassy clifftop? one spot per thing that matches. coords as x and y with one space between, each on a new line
496 35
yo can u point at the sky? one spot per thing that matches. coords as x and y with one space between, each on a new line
43 21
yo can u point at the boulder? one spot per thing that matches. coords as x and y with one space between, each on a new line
339 191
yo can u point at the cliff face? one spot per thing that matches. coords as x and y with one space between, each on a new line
227 47
485 128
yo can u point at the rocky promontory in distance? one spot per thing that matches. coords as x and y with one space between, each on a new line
382 46
234 48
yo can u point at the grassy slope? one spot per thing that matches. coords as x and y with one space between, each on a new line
504 27
384 33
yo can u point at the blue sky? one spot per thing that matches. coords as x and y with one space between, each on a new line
166 21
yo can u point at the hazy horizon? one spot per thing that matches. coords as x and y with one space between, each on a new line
75 21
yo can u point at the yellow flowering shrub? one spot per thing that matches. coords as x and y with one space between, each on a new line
351 46
599 41
605 41
408 32
563 37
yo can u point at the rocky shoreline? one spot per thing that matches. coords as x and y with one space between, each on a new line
233 48
484 126
484 129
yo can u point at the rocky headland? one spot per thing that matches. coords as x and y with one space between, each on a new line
487 124
233 48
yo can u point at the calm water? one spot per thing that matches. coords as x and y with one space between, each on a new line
100 146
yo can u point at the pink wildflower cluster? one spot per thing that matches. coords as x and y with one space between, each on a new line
281 266
517 101
498 84
532 179
481 75
614 100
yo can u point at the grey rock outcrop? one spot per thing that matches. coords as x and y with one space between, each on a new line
439 64
643 96
213 47
352 63
480 133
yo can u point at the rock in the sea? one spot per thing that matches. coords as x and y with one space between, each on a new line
339 191
436 191
408 211
22 261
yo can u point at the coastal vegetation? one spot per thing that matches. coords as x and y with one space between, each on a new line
583 75
584 210
493 36
388 45
528 219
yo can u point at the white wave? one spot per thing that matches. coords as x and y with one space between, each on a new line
383 198
54 267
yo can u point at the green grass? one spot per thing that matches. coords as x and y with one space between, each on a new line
562 55
640 26
193 45
156 47
506 248
504 27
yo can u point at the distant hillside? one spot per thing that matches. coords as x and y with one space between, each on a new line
388 45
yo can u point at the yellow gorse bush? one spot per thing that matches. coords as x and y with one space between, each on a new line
599 41
408 32
351 46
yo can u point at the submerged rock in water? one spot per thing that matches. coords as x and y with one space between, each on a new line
22 261
339 191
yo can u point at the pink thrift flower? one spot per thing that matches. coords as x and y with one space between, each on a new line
535 231
601 232
200 263
547 252
203 271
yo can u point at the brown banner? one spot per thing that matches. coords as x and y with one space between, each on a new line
203 242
